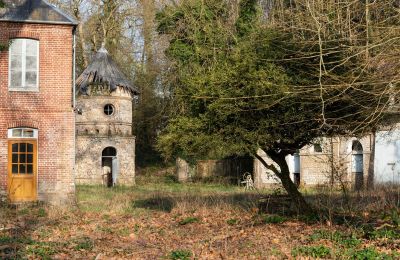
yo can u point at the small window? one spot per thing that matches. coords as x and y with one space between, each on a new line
23 65
108 109
22 133
317 148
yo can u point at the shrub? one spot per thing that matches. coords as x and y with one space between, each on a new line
180 255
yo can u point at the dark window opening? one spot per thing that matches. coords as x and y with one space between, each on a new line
356 146
317 148
109 151
108 109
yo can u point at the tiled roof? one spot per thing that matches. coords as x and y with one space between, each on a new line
34 11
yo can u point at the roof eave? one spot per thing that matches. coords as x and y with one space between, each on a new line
38 22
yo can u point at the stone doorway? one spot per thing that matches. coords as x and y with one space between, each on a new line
109 165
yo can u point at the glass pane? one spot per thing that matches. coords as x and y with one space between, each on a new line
17 132
30 78
31 63
15 168
31 47
22 169
30 147
16 46
22 147
29 158
14 158
16 62
16 79
29 169
15 148
22 158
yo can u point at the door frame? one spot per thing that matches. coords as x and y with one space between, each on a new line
33 139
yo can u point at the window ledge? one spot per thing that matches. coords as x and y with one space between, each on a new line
30 89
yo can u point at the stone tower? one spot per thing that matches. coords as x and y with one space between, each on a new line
105 146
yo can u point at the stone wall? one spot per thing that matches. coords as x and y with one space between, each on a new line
95 131
89 160
318 167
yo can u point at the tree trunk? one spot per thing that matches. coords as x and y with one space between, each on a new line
287 183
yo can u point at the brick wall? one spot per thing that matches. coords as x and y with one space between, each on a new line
49 110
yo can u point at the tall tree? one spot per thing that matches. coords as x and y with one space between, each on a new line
239 87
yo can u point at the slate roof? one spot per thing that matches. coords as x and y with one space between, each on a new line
34 11
103 71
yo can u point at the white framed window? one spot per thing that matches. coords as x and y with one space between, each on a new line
23 65
23 133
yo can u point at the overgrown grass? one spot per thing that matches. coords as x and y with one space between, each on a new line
163 196
189 218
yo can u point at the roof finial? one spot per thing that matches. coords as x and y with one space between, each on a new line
103 47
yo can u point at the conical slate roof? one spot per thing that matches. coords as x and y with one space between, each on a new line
103 71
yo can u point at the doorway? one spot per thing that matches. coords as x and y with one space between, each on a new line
357 164
109 165
22 165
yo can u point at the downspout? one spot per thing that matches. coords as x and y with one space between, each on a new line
74 102
73 68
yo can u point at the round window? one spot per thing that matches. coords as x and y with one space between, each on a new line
108 109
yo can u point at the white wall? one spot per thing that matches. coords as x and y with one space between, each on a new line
387 157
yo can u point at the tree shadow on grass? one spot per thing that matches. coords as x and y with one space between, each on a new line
158 203
166 202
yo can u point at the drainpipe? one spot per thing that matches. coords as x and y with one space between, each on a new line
73 68
74 102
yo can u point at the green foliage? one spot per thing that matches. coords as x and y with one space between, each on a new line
2 5
312 251
336 237
368 253
385 233
181 254
83 243
232 221
247 18
188 220
42 250
42 212
273 219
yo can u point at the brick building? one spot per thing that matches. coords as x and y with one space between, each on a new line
36 108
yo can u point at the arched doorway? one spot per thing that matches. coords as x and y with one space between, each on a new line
357 164
109 164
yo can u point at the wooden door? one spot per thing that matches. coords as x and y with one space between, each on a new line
22 170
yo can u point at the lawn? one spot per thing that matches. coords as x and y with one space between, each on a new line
167 220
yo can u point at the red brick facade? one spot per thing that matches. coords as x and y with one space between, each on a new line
49 110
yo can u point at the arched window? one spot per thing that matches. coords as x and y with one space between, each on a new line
23 133
357 151
109 151
317 148
356 147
